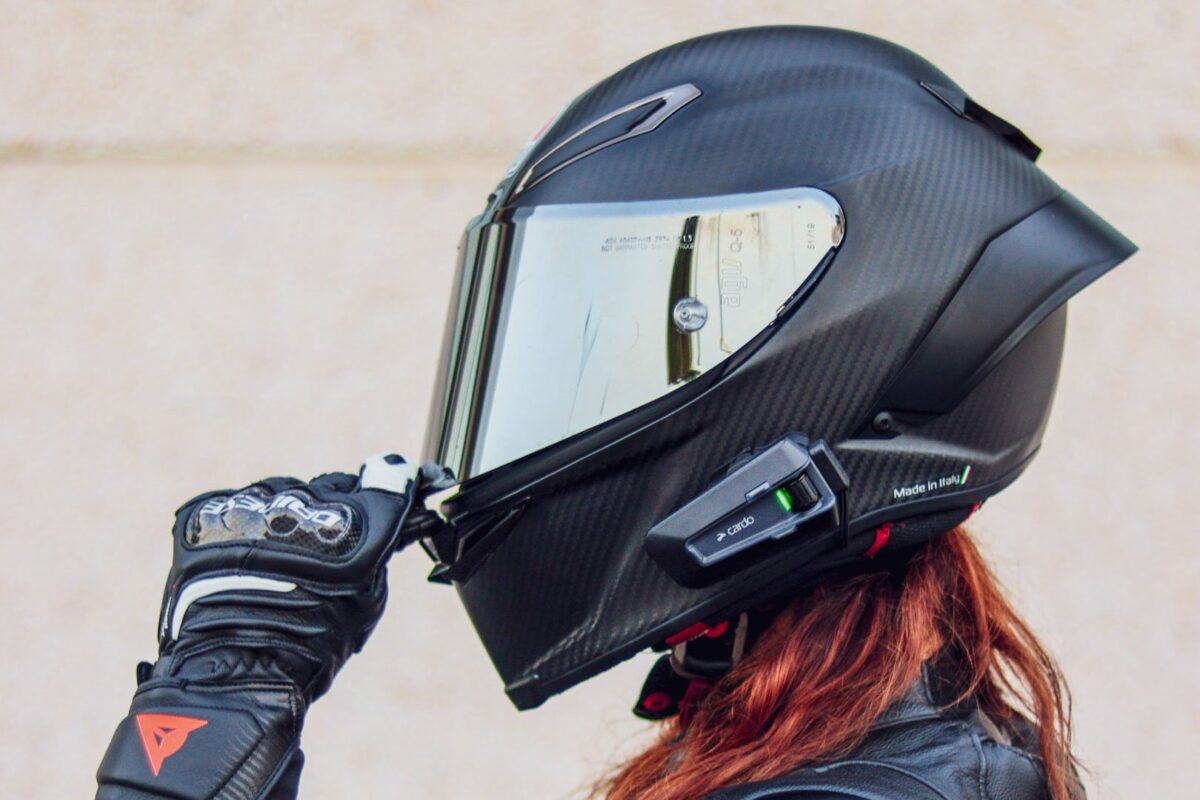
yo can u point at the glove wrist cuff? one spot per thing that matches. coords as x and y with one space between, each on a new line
190 741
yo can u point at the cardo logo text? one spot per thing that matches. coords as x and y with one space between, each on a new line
737 527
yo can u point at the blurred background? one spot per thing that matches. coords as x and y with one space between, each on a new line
227 232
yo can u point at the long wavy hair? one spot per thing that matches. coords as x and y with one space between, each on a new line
837 656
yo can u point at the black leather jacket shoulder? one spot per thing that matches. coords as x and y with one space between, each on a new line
917 751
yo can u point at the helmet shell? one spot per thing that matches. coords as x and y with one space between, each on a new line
926 354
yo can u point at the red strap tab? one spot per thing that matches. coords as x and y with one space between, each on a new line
882 534
690 632
695 631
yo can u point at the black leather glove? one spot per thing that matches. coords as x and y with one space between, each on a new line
272 588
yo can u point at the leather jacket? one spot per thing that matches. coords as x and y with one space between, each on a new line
918 751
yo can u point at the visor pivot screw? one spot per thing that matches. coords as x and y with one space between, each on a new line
689 314
884 423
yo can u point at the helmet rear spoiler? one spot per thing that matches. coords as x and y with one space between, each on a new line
1021 276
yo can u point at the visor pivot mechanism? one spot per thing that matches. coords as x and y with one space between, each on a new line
689 314
788 494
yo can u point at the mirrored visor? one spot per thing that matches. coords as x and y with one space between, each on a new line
564 317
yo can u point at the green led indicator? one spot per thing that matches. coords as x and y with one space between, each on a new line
785 499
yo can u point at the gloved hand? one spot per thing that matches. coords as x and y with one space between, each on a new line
272 588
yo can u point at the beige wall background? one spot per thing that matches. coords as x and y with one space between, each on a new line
226 234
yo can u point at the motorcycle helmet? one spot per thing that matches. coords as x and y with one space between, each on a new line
755 308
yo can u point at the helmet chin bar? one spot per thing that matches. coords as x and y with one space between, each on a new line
790 490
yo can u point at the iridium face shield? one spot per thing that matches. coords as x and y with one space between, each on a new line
565 317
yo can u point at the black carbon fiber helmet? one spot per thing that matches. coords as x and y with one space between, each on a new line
750 310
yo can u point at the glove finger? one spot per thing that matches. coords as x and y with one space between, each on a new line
334 482
185 510
389 473
277 485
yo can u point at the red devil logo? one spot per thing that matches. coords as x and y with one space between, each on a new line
163 735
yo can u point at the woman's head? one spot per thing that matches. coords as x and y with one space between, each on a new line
837 656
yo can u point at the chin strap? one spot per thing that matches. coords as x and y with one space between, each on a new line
699 656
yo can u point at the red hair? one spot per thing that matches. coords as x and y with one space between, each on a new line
837 656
